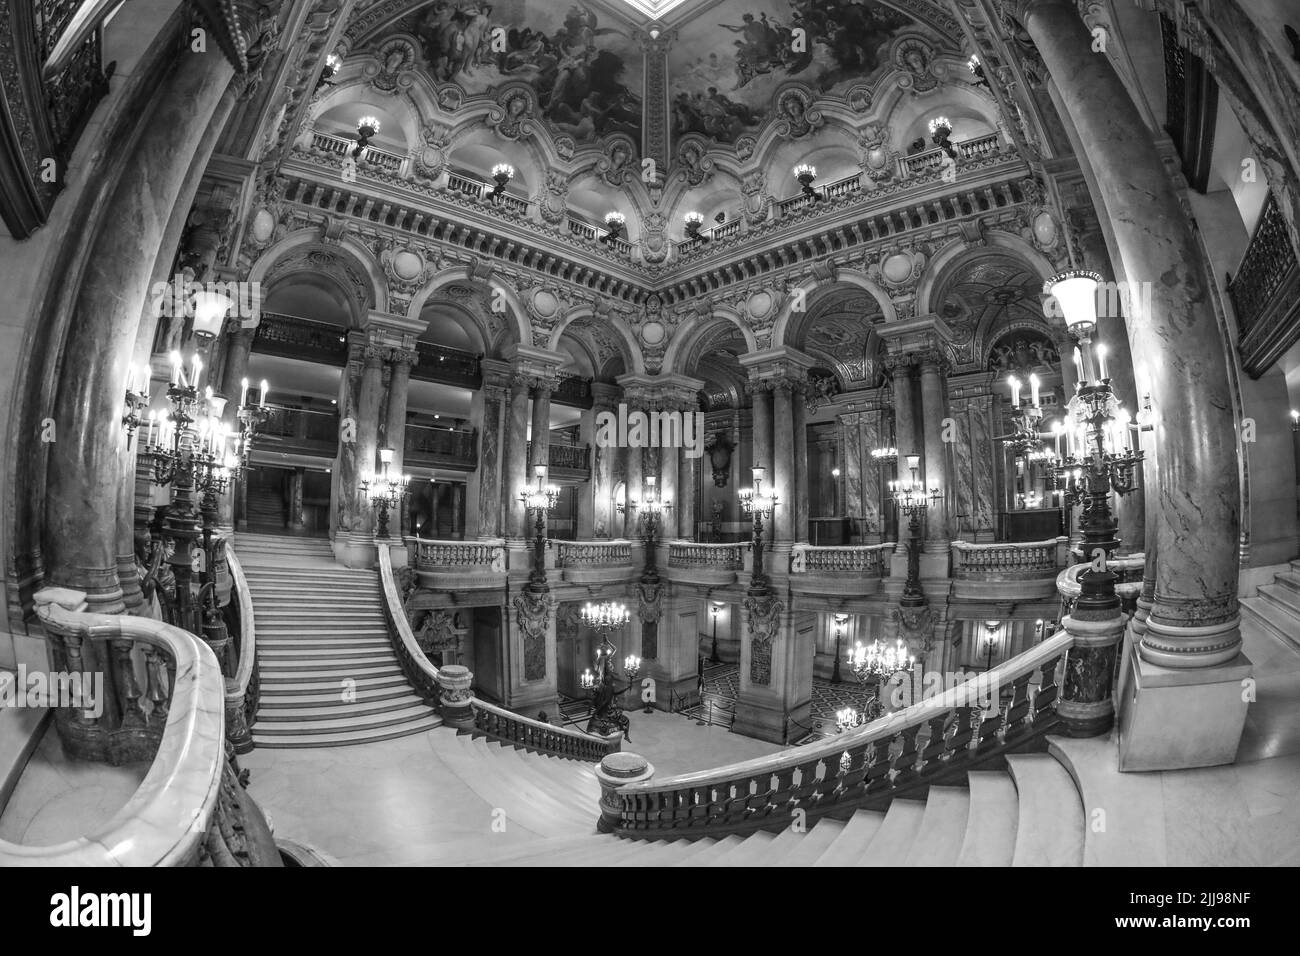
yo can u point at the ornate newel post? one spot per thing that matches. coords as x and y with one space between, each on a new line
454 701
1096 624
613 772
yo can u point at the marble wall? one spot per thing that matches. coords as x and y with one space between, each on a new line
974 488
860 432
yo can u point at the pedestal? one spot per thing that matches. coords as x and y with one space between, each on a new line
615 771
1180 718
455 698
354 549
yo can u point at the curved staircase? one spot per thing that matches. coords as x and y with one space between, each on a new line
1028 815
329 676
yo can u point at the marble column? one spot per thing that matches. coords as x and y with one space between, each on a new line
296 479
586 516
669 463
604 520
514 472
239 347
87 458
1194 618
761 416
905 416
802 489
401 361
370 391
484 496
634 472
458 511
541 431
935 462
688 505
782 474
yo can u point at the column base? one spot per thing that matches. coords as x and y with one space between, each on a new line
1191 648
1180 718
764 722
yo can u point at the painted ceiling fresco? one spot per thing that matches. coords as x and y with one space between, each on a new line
587 70
726 68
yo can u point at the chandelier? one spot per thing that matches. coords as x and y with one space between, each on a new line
605 616
878 661
693 221
909 493
753 500
385 491
885 454
1024 437
542 496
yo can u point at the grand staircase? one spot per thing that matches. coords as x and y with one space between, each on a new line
1028 815
329 676
1277 607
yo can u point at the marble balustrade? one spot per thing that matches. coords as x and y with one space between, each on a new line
925 744
460 565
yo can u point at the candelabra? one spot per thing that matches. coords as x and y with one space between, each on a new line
693 221
367 129
877 662
251 418
136 401
384 491
911 500
1101 456
614 222
650 509
606 716
806 174
940 131
846 718
538 502
1024 437
754 502
502 173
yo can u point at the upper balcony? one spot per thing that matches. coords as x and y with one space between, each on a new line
566 461
441 447
706 564
594 562
919 194
1023 571
849 570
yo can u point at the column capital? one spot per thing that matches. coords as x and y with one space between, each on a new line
403 357
667 392
915 335
933 361
536 368
777 363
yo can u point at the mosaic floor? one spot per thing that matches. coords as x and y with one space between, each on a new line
722 682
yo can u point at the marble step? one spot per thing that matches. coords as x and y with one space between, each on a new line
1050 826
791 848
292 597
286 640
893 841
1124 813
1272 619
701 855
990 838
326 654
324 721
1282 597
337 709
565 786
331 685
943 828
397 690
852 842
293 674
751 851
306 610
1288 579
346 738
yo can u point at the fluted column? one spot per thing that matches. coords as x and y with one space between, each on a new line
1194 618
87 461
933 412
401 361
514 472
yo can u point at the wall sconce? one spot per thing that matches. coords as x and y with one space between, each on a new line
333 63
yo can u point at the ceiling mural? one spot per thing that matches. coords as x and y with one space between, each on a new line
728 67
586 70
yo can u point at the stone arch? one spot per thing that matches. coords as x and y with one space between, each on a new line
813 288
626 338
683 343
517 327
376 291
957 254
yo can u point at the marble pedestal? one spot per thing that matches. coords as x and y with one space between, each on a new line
354 550
1177 719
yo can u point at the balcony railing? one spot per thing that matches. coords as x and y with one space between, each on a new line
869 560
593 554
1018 559
566 457
589 233
478 189
572 390
460 565
444 446
342 146
291 336
441 363
1265 292
303 429
688 554
840 187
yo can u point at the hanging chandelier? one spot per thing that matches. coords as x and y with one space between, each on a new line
879 661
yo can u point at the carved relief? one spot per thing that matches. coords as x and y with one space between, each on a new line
914 58
430 156
554 201
618 161
795 116
757 201
533 612
514 115
764 621
392 73
693 162
879 162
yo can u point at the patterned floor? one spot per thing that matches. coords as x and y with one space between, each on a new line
722 683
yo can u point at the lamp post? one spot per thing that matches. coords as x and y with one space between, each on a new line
650 509
841 620
911 500
384 491
806 174
714 611
754 502
606 717
990 642
539 501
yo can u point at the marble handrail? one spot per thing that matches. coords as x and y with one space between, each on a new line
165 821
488 718
691 554
1014 557
871 764
858 559
1067 582
242 689
570 554
487 555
